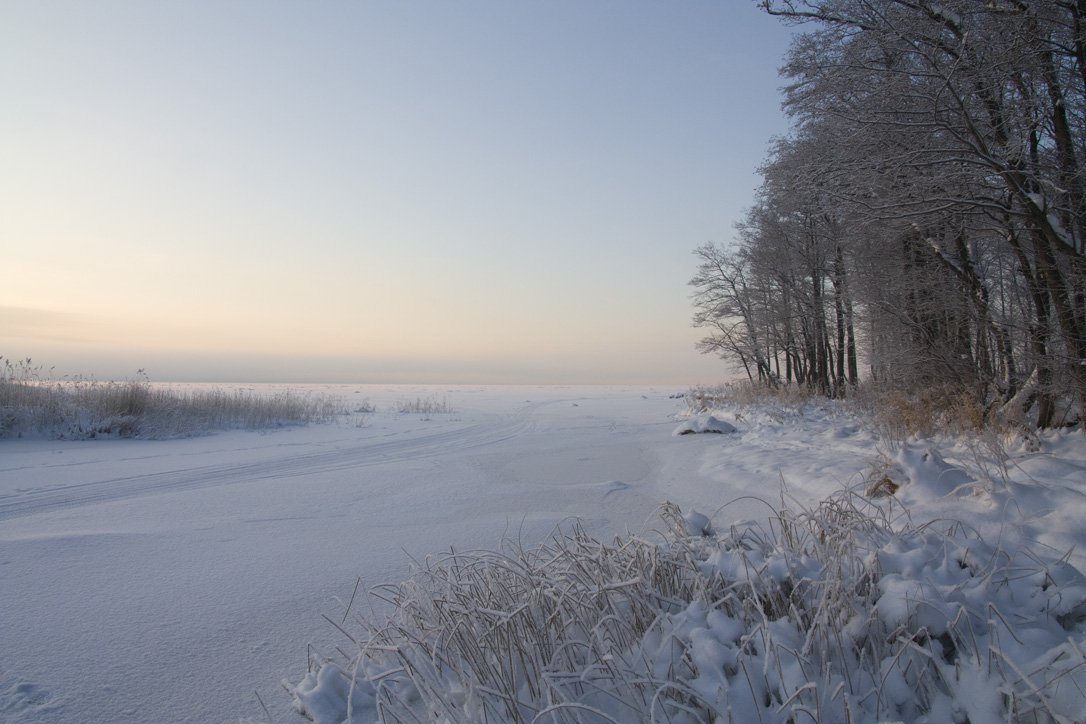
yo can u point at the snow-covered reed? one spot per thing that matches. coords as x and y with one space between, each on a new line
80 408
424 406
702 398
833 614
895 414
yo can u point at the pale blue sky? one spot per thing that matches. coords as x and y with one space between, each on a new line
477 192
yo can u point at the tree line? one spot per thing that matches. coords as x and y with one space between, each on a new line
924 221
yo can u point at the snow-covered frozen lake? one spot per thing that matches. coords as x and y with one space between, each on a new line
178 580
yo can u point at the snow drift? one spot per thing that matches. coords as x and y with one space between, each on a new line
702 424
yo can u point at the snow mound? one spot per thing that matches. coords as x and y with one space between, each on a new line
927 467
704 423
329 694
926 473
697 523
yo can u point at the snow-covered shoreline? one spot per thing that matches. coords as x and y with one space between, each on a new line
176 580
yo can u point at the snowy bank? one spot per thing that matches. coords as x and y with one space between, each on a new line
836 613
212 557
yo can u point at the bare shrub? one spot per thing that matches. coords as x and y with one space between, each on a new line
704 398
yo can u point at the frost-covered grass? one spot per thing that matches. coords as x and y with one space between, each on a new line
781 402
852 610
895 412
834 614
79 408
424 406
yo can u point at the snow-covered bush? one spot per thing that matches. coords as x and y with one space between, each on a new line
836 614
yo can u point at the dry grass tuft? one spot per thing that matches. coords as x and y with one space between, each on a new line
924 412
78 408
424 406
705 398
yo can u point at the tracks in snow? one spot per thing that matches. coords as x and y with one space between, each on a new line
277 462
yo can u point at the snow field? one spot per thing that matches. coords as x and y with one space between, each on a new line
183 580
854 609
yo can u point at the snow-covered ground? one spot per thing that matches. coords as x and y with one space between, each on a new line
183 580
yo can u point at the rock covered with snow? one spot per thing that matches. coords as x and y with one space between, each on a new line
698 523
704 423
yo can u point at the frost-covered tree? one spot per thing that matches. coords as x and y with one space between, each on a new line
934 184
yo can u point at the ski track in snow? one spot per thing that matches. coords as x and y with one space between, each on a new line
364 453
216 554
